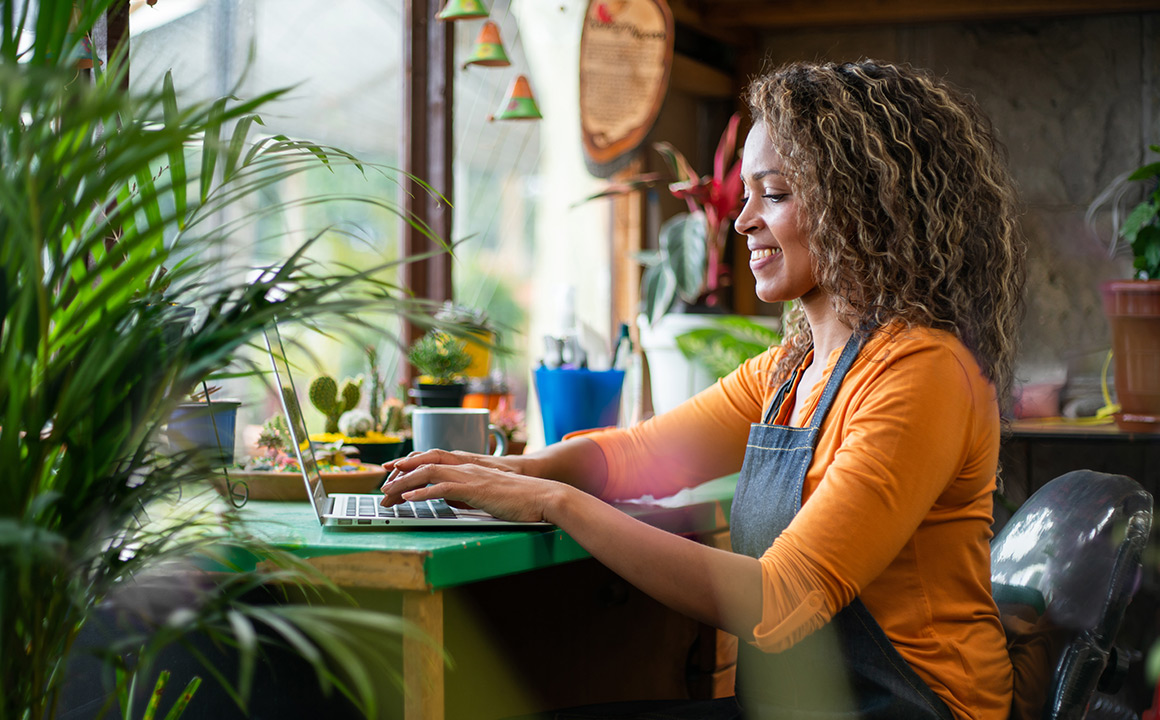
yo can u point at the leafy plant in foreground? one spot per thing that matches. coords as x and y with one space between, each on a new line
109 207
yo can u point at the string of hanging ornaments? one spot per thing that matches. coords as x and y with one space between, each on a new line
518 103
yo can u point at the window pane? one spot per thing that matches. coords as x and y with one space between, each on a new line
496 165
343 62
517 188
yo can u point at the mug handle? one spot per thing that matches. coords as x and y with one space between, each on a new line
500 439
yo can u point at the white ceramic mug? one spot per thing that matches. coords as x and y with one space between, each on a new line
463 429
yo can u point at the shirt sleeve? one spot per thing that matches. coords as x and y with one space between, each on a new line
701 439
897 436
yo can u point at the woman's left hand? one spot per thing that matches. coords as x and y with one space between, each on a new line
506 495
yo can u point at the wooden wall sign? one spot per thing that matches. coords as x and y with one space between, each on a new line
626 54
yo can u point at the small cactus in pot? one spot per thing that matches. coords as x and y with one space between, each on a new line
440 359
326 397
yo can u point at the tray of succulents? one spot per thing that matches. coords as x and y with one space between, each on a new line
273 473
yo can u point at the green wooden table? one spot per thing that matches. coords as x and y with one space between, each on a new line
422 563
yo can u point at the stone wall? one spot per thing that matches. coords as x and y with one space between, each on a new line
1076 101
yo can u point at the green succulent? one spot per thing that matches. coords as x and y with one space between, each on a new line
326 397
439 356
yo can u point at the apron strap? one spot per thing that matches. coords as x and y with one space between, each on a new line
779 397
845 362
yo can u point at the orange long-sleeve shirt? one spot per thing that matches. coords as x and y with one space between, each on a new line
896 504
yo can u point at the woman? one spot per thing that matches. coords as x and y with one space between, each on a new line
876 197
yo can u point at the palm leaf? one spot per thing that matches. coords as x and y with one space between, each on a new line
108 223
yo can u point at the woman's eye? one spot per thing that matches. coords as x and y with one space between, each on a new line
776 197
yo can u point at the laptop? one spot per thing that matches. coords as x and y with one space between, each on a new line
362 511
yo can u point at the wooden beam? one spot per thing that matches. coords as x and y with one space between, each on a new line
117 36
721 14
428 55
424 688
628 228
697 78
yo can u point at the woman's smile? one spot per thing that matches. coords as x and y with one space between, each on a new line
760 257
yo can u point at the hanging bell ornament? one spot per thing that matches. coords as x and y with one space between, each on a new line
519 103
488 50
462 10
84 55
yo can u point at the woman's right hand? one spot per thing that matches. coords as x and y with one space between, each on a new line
510 463
578 462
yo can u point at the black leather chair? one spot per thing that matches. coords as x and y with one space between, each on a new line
1063 570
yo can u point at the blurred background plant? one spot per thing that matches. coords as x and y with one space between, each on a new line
731 340
439 357
509 420
114 305
332 401
1139 227
690 261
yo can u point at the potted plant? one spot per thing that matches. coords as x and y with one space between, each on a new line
689 265
1133 306
206 425
97 198
510 421
374 435
684 281
478 334
440 359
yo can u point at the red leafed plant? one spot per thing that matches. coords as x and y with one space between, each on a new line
689 262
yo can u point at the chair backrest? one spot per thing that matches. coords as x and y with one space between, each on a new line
1063 570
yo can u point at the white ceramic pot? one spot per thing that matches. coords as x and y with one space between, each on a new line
672 377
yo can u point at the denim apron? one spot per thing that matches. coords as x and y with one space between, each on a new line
848 668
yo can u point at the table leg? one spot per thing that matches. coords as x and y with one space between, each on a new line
423 658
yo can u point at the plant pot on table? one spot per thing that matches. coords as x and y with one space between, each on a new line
378 453
673 377
206 429
1133 310
438 394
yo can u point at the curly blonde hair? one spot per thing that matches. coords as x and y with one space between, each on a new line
912 210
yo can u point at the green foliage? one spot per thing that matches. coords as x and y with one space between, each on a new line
378 389
1142 226
325 395
721 349
439 356
678 268
108 236
275 435
151 708
690 263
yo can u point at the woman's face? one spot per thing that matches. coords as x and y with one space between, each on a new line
778 249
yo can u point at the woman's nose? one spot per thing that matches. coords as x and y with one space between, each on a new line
747 220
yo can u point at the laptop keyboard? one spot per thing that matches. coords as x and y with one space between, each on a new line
369 507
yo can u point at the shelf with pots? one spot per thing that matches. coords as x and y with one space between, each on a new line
1133 305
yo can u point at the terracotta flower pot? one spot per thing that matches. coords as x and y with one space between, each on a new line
1133 309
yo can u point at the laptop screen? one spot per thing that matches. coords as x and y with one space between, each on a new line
299 437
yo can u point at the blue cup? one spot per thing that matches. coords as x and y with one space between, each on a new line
572 400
